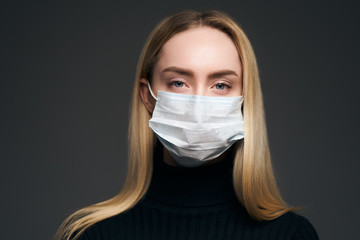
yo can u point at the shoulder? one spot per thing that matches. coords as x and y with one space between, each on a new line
107 228
297 227
289 226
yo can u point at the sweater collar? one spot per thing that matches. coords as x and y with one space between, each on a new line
201 186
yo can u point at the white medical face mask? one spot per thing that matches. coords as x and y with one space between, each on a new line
195 128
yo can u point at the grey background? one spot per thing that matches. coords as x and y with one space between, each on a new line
67 72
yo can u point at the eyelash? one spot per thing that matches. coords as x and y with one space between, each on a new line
172 83
223 83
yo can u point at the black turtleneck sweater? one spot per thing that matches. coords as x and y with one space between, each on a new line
195 203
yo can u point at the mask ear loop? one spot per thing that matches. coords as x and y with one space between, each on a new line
152 94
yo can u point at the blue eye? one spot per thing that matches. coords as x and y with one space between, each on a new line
220 86
178 84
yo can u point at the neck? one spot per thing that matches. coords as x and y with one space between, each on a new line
206 185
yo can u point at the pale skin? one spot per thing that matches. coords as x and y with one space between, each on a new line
200 61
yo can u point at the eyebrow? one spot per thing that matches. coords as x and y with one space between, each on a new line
189 73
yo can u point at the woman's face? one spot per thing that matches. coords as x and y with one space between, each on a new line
201 61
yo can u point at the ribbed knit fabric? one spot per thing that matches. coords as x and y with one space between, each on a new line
195 203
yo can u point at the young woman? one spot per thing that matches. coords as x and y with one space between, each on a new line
199 162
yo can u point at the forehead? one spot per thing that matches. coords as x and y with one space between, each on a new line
200 48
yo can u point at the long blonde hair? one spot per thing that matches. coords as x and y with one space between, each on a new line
253 177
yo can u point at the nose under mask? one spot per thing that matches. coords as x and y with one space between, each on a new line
196 129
